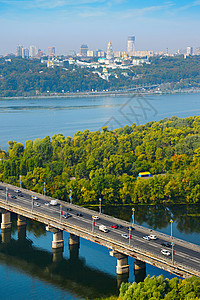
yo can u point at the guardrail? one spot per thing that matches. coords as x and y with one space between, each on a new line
139 252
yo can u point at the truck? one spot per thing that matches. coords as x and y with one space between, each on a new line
103 228
53 202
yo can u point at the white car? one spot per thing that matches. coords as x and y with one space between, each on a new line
47 204
35 198
153 237
125 236
147 237
95 217
17 191
165 252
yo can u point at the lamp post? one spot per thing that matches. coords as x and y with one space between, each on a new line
93 225
99 205
32 202
44 188
171 221
6 194
133 216
130 235
61 212
172 253
70 197
20 181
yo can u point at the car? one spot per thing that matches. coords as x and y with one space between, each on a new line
166 244
124 235
17 191
114 226
1 189
13 197
119 226
35 198
153 237
146 237
79 214
36 204
20 195
95 217
68 215
165 252
47 204
69 209
65 216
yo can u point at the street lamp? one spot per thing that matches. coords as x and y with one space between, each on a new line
32 202
130 235
6 194
44 188
172 253
171 221
99 205
133 216
70 197
93 225
20 181
61 213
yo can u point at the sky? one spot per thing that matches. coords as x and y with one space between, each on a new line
66 24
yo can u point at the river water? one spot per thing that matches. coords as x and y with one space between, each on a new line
27 269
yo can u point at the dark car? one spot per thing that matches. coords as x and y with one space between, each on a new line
119 226
1 189
79 214
166 244
13 197
69 209
20 195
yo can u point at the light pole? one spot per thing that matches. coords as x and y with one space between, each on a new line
133 216
171 221
70 197
20 181
44 188
172 253
130 236
93 224
61 212
6 194
32 202
99 205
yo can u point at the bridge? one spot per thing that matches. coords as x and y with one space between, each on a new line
184 262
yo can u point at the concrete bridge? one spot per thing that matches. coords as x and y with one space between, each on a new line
185 262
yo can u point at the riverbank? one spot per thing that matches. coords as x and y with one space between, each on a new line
136 91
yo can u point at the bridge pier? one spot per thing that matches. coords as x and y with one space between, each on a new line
6 235
74 245
122 263
57 254
6 220
21 227
139 270
58 241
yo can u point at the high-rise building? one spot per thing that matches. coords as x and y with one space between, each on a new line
19 50
52 51
33 51
189 51
83 50
131 44
198 51
25 53
109 54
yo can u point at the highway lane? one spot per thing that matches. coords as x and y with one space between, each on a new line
183 254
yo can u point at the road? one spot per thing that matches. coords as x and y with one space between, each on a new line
185 253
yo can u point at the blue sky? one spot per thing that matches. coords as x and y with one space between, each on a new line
66 24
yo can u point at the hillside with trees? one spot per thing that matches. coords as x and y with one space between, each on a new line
106 164
29 77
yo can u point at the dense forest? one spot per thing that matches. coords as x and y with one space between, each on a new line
105 164
26 77
160 288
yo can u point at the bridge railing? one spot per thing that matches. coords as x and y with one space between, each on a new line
94 236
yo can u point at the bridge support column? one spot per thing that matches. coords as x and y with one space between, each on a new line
57 237
21 220
6 235
21 227
74 245
122 263
139 270
6 220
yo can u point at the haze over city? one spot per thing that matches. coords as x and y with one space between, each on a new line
66 24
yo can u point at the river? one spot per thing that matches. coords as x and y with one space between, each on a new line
26 266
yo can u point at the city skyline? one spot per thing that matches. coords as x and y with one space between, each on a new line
157 25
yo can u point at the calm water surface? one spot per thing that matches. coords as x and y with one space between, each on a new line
27 269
